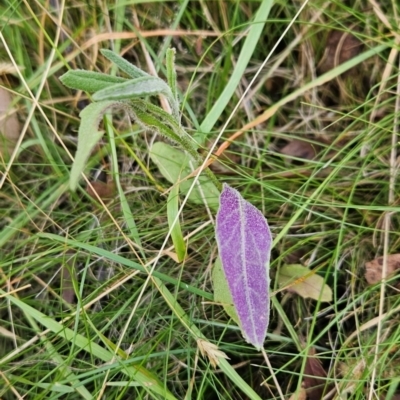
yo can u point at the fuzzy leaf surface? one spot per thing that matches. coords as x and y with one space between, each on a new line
136 88
88 136
123 65
244 244
150 121
139 87
89 81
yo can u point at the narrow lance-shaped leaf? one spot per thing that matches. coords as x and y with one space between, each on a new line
89 81
244 245
123 65
88 136
131 88
166 125
154 118
136 88
176 231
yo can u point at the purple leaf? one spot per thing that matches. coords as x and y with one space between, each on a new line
244 244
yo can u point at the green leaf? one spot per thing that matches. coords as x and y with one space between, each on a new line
154 118
158 120
123 65
136 88
53 386
174 165
309 285
89 81
222 294
151 122
176 231
132 88
88 136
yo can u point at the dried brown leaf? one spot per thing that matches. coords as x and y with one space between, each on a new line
299 149
340 47
199 46
9 125
172 255
314 382
373 269
67 291
352 371
106 191
306 283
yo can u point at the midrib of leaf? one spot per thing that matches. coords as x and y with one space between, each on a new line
242 220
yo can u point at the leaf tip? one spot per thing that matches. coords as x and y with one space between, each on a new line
105 52
64 78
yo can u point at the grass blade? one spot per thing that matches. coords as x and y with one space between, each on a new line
176 231
249 45
137 373
88 136
124 261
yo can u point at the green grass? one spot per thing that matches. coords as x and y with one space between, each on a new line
126 333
